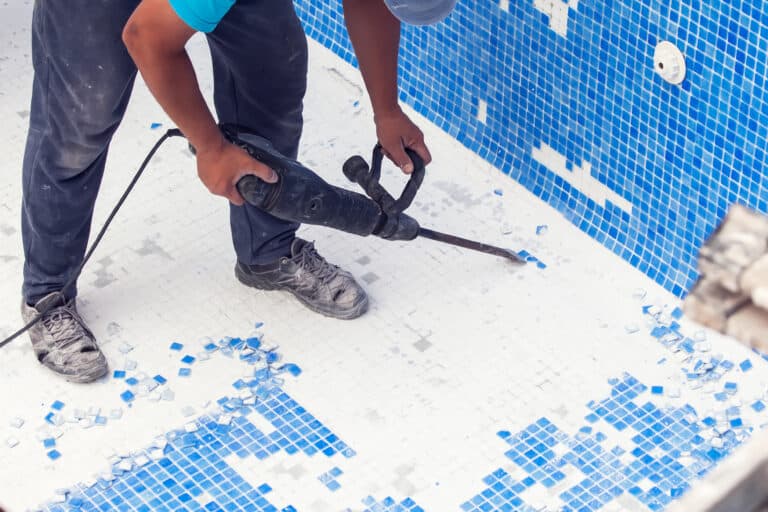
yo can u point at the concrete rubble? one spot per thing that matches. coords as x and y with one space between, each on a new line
731 296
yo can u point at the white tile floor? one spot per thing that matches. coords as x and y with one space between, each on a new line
456 347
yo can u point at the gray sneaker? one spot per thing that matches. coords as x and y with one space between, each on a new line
62 341
322 287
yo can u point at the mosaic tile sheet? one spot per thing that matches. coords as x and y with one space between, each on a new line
631 451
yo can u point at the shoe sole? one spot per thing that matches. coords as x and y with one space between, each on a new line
355 312
86 378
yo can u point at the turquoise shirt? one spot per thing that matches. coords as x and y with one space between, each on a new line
202 15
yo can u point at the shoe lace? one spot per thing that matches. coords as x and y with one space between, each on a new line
310 260
64 325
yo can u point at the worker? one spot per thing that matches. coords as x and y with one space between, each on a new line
86 54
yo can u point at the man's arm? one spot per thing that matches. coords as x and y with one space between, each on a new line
375 35
155 37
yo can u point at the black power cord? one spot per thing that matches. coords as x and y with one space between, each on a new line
173 132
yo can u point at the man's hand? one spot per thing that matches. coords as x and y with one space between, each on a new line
222 165
397 132
375 35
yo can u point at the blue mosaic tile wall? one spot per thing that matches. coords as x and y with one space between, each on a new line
675 156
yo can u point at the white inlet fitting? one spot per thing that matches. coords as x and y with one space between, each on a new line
668 61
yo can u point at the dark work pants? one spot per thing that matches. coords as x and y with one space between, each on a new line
82 84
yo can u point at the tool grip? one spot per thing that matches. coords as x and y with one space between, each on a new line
356 170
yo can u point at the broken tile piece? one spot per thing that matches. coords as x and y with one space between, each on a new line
657 390
130 364
53 454
124 348
100 420
131 381
745 365
125 465
127 396
49 443
188 359
631 328
11 442
118 374
187 411
185 372
16 422
94 410
176 346
167 395
160 379
57 405
156 454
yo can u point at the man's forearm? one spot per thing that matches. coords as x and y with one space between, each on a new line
375 35
170 76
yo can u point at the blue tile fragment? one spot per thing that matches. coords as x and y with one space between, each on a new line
131 381
176 346
188 359
745 365
677 313
53 454
155 126
49 443
657 390
118 374
185 372
291 368
758 406
160 379
127 396
49 417
57 405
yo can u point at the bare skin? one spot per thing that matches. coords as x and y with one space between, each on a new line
155 37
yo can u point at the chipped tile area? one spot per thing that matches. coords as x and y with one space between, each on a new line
573 383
